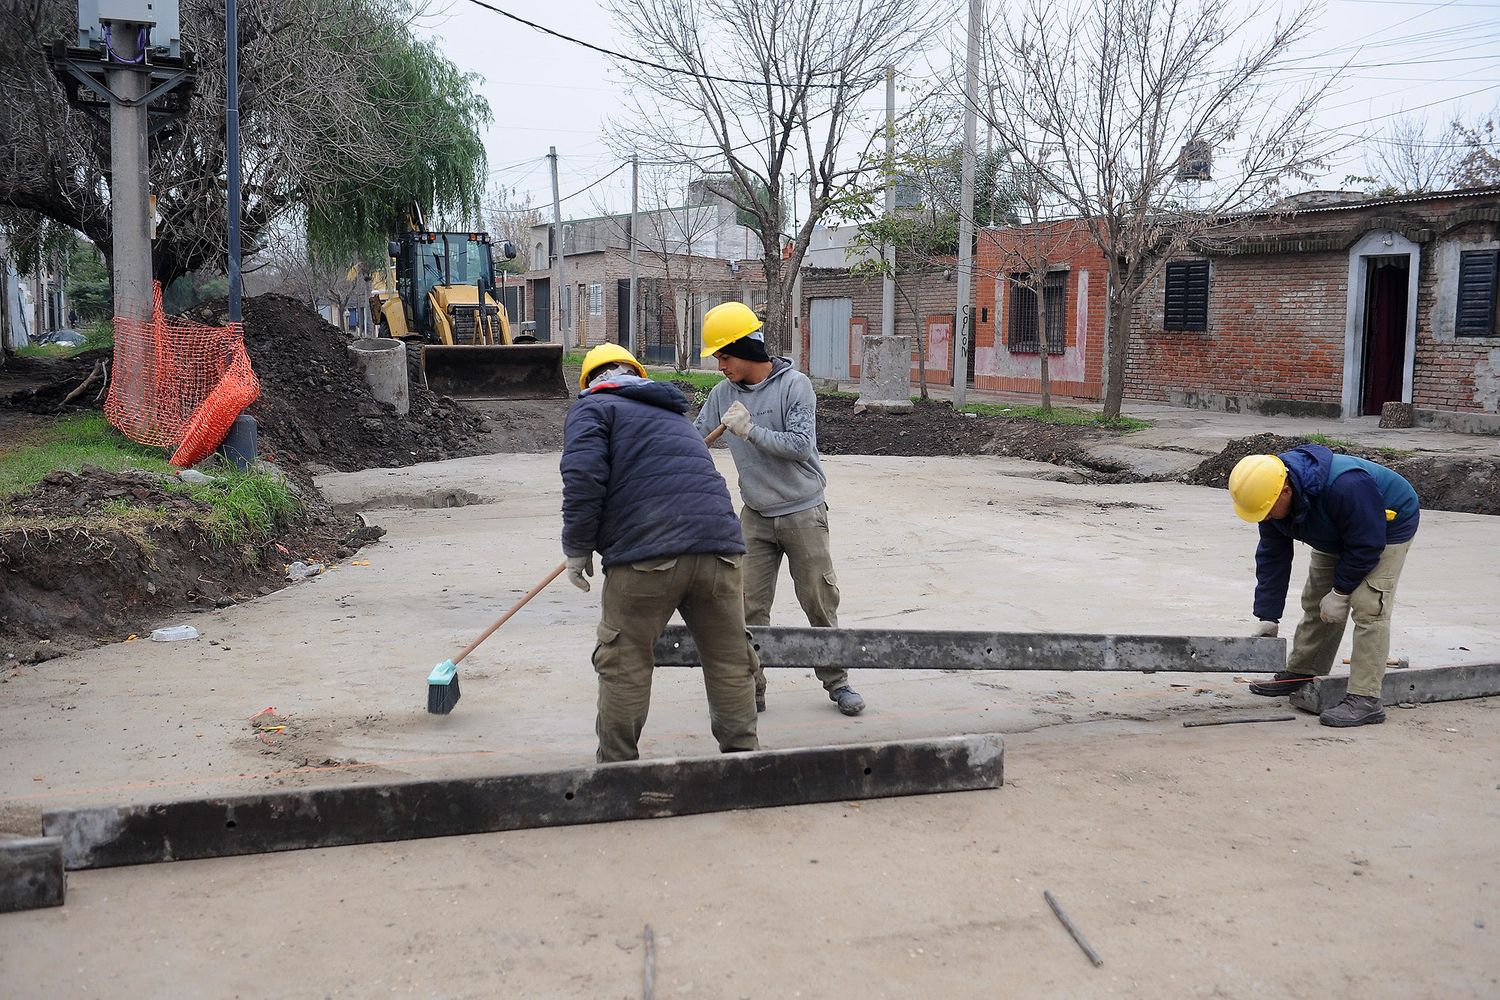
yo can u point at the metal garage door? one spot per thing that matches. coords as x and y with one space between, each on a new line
828 350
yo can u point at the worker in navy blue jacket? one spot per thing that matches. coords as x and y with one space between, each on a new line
640 489
1359 518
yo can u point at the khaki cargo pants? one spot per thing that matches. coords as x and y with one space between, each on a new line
803 538
638 600
1317 642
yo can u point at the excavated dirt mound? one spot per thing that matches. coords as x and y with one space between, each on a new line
314 407
40 385
1442 482
74 572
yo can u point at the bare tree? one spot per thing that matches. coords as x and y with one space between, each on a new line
285 265
1130 92
764 80
674 235
1411 158
510 218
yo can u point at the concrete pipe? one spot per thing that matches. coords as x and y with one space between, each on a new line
383 363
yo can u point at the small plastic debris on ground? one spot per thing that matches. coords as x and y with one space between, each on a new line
173 633
300 570
195 477
132 637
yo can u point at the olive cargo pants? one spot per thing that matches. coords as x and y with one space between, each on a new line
638 600
1317 642
803 538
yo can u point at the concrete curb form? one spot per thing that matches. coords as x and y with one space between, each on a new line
102 837
932 649
1469 680
31 874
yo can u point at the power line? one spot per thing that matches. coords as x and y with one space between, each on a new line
647 62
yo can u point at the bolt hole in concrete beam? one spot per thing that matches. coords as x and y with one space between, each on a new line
285 820
915 649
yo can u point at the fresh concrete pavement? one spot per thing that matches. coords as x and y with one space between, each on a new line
1275 860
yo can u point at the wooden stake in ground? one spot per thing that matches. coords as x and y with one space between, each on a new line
1088 949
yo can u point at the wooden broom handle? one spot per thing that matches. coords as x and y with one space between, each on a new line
714 435
561 567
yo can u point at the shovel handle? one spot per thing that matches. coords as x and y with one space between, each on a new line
561 567
714 435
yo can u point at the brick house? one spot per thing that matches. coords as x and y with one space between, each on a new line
1333 309
837 308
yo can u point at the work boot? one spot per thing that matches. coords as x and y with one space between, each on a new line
847 699
1283 683
1354 710
760 701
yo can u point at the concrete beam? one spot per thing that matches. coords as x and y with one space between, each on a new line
914 649
31 874
370 813
1469 680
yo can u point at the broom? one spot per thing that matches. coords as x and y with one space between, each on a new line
442 683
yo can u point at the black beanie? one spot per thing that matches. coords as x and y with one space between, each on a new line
747 349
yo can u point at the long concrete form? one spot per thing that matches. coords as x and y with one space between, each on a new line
31 874
915 649
372 813
1469 680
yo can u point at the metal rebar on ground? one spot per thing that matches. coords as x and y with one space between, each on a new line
1088 949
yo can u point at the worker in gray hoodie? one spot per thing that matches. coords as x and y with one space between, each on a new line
771 412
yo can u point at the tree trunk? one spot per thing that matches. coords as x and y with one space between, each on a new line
1045 345
778 312
1119 339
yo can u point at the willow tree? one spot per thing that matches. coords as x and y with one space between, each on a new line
346 116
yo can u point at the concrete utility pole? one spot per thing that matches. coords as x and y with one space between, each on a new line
635 264
232 155
560 292
965 312
888 286
130 172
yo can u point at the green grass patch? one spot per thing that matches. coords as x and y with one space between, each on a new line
1331 442
68 444
1065 415
703 381
98 335
243 506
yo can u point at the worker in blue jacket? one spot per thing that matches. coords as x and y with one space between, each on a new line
640 488
1359 518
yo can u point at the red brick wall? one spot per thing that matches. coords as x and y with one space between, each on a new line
931 292
1275 330
1453 373
1079 369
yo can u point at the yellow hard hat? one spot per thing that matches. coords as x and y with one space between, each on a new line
1255 485
725 323
607 354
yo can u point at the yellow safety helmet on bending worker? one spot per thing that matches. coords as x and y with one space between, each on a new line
725 323
1255 484
607 354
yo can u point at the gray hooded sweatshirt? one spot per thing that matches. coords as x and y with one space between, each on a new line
778 462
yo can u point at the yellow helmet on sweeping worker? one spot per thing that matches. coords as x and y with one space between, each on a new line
607 354
1255 485
725 323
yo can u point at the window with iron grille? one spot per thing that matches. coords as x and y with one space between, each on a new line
596 300
1477 279
1023 323
1187 296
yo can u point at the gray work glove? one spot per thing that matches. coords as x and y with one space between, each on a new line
1265 630
737 419
579 568
1334 608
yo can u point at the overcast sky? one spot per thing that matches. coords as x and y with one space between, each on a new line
1407 56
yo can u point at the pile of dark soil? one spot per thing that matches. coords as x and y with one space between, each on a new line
314 407
41 385
1442 482
935 428
73 574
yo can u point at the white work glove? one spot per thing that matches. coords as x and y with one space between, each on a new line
1334 608
580 567
737 419
1265 630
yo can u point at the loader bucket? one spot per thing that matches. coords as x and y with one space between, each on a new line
511 371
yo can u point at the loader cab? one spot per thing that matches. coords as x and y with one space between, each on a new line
426 260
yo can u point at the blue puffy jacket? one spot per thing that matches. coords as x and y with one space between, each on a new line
1339 506
638 482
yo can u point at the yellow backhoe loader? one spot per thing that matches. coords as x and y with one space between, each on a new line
439 290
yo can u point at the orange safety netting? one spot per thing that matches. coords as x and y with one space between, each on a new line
178 384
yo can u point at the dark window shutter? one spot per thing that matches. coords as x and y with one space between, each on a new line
1057 309
1023 320
1187 296
1476 293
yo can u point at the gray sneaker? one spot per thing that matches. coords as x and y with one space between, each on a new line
847 699
1354 710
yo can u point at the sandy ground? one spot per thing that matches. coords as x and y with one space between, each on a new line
1243 861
